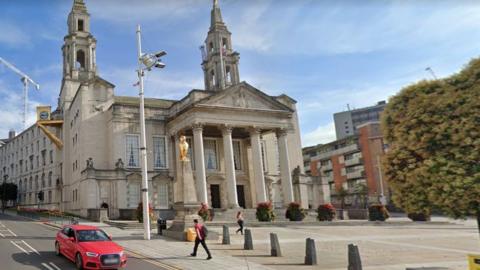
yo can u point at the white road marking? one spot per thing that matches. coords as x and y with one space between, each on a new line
46 266
19 247
54 266
12 233
2 235
34 250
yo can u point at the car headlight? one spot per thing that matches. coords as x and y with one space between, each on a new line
91 254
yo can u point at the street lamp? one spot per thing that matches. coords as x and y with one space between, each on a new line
145 62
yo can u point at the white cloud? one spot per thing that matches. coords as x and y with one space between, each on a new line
11 111
12 35
165 84
329 27
124 11
322 134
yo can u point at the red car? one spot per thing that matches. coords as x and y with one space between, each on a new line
89 247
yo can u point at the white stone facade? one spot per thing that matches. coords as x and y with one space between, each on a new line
244 144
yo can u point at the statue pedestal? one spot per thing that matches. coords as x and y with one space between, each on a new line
187 209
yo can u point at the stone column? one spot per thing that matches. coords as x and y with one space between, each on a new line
229 167
285 170
200 177
259 178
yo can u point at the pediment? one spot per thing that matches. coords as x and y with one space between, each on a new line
244 96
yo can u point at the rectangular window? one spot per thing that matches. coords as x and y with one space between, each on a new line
210 154
80 25
159 152
133 197
237 157
132 150
51 156
163 195
49 196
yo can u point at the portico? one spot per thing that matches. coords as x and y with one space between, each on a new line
226 149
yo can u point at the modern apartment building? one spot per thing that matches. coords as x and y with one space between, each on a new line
350 162
346 123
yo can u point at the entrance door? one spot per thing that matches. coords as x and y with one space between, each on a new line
241 196
215 193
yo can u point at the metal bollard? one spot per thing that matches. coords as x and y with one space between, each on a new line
354 261
275 246
226 236
248 242
310 253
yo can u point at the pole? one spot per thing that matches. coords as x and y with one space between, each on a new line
143 149
25 101
382 195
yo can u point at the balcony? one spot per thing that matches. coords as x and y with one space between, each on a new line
327 167
327 179
353 161
356 174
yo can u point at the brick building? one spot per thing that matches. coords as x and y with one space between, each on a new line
352 163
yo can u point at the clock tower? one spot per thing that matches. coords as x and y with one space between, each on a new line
220 61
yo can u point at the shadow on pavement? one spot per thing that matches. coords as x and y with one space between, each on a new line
258 256
35 260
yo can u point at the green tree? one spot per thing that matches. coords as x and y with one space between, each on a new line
433 129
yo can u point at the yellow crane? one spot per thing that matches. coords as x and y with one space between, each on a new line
44 120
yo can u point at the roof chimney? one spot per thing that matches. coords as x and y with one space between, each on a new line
11 134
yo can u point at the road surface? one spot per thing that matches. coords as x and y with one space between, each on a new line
29 245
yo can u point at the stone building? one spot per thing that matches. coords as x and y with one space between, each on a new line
244 144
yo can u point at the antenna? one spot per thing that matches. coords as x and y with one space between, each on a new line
429 69
26 80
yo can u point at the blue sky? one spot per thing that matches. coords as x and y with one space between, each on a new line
324 54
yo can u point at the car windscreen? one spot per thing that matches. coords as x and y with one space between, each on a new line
92 236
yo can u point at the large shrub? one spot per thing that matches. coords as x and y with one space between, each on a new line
326 212
295 212
204 212
432 128
377 212
140 212
265 211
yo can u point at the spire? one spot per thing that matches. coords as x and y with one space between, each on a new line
216 15
219 60
79 6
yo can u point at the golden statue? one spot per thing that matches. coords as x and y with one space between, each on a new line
183 146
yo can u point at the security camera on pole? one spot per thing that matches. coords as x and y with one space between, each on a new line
145 62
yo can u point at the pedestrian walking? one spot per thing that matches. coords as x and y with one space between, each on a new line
240 222
201 231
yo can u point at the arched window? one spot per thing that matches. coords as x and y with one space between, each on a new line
43 180
36 182
212 78
210 47
228 75
80 25
20 187
50 179
80 59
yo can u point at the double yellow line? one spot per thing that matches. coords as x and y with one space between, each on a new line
152 261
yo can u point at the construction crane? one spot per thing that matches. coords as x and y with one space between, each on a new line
26 80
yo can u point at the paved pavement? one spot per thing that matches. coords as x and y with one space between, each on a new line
25 244
394 245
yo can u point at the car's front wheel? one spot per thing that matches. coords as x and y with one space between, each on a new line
57 249
78 261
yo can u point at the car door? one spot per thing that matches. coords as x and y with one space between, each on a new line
69 246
